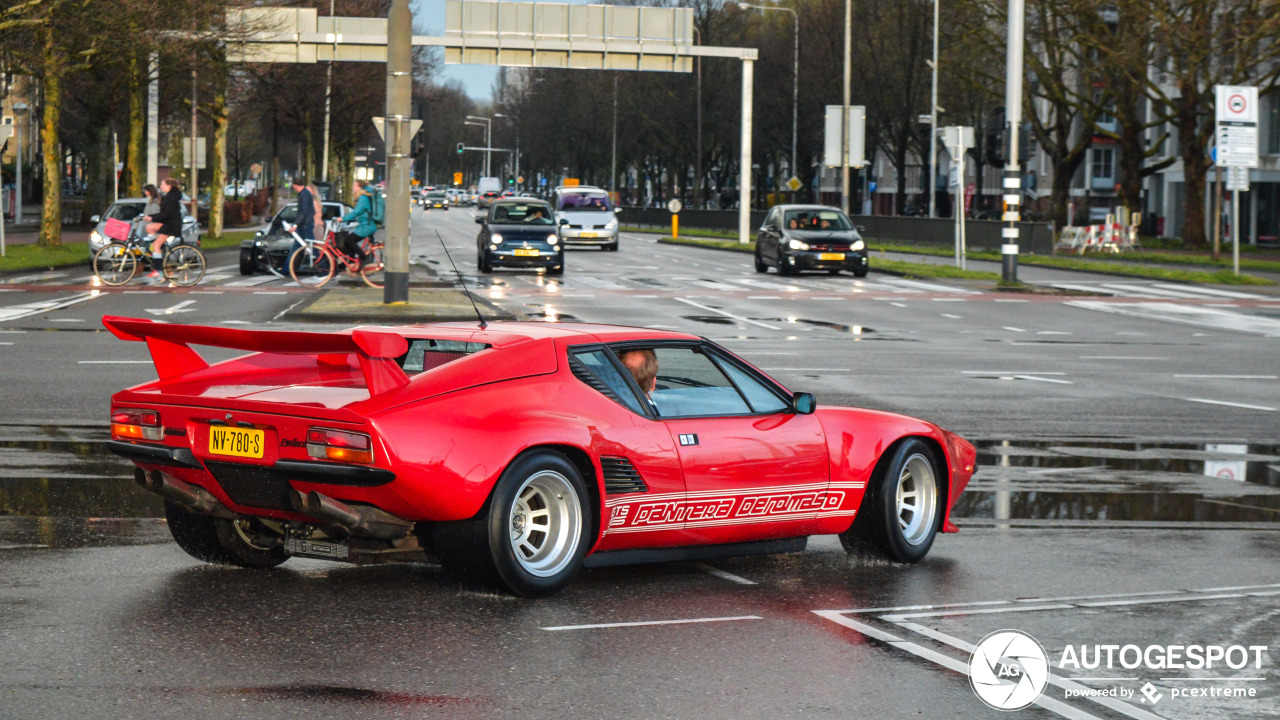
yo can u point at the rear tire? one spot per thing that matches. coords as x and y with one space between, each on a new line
539 528
183 265
373 269
243 542
903 508
114 264
311 265
761 265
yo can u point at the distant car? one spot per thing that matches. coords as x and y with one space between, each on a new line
127 209
486 199
435 199
515 451
591 215
521 233
270 247
810 237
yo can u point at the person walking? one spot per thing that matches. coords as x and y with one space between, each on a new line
165 224
306 208
362 215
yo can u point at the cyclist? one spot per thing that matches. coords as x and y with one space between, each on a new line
165 224
349 241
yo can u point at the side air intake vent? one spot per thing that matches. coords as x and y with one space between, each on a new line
620 476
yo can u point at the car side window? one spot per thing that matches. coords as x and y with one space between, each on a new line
691 385
761 398
597 369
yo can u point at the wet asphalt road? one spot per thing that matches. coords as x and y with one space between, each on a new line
1114 437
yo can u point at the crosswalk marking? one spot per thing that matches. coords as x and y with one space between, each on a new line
1200 316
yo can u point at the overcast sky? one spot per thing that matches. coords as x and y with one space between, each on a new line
477 80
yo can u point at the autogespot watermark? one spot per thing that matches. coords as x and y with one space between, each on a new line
1010 669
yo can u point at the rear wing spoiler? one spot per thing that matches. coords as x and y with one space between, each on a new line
170 347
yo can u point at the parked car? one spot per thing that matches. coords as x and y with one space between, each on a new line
810 237
519 232
127 209
591 216
519 452
271 246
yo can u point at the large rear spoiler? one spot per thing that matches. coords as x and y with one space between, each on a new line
170 347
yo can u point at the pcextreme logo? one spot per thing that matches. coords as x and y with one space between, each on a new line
1009 670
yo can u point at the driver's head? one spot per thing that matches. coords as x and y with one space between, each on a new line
643 365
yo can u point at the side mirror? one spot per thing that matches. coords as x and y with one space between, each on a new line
617 210
803 403
479 219
860 228
95 218
563 222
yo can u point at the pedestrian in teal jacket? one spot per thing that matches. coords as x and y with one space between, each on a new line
363 217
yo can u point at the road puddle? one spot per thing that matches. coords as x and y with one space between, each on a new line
1124 480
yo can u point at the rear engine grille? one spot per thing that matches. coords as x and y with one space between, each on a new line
620 476
252 485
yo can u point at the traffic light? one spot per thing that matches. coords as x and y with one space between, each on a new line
996 140
511 179
459 148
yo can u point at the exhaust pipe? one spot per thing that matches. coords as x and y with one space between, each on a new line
193 497
359 520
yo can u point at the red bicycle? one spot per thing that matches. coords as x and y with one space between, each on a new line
315 262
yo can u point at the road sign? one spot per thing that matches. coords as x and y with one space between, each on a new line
381 124
200 152
675 206
794 183
571 182
1238 179
857 136
457 178
1237 126
520 179
957 138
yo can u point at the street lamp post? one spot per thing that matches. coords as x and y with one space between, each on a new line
795 75
933 120
488 146
19 110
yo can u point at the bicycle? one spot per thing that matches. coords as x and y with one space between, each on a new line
314 264
117 262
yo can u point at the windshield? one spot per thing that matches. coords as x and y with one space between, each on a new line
588 201
124 211
522 214
435 194
816 219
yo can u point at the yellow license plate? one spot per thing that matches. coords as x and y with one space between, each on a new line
526 252
237 442
588 235
830 256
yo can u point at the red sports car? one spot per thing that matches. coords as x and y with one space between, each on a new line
518 450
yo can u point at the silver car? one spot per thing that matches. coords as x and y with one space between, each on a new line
127 209
587 216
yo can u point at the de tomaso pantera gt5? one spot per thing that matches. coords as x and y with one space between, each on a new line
521 450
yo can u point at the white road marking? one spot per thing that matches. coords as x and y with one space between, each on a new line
1043 379
114 362
1052 332
17 312
179 308
726 314
1010 300
1011 328
222 268
270 292
948 299
1232 377
896 304
764 297
1007 372
6 343
710 570
67 320
1216 318
1231 404
654 622
141 292
930 287
949 315
205 292
1210 291
1122 357
250 281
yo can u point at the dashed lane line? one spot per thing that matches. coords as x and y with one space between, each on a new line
647 623
739 318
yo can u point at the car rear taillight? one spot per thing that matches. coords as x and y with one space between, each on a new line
339 445
136 424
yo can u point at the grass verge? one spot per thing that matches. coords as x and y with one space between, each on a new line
230 238
687 232
32 256
898 267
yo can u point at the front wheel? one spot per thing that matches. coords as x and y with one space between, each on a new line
114 264
373 269
903 507
538 527
860 273
243 542
184 265
311 265
247 264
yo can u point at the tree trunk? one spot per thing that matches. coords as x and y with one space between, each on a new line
218 164
97 176
51 217
137 89
1191 146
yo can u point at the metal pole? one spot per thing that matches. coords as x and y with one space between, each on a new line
933 121
328 96
613 172
844 119
153 119
193 164
1013 112
488 147
795 95
17 196
115 166
399 107
1235 230
744 177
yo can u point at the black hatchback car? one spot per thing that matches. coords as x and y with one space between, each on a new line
519 232
810 237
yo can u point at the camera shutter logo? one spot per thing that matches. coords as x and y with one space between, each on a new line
1008 670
